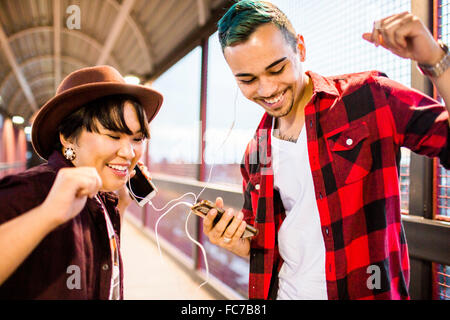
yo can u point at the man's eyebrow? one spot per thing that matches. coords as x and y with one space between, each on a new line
275 63
267 68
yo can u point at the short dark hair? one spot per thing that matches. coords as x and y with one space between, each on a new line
242 19
107 111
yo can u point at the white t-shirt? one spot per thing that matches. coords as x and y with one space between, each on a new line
300 241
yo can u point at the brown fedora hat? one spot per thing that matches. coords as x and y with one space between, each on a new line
79 88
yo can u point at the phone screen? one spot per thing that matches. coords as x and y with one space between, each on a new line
140 186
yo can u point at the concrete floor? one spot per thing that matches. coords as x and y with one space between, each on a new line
148 277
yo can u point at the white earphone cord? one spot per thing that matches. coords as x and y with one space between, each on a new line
189 205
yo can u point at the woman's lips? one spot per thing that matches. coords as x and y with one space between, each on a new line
119 170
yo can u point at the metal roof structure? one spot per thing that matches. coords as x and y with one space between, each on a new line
42 41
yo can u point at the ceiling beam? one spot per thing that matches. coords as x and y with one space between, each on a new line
75 33
192 40
139 33
16 69
57 41
38 59
117 27
203 12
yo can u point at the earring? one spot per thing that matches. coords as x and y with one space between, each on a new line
69 154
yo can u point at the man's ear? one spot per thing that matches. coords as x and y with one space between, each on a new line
301 47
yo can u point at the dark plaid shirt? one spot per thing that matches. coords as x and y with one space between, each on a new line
355 126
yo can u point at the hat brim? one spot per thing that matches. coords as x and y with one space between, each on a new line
45 125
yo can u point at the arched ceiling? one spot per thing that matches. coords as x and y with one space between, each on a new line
40 42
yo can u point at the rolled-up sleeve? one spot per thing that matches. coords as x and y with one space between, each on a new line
421 123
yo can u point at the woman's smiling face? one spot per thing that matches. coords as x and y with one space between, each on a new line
114 154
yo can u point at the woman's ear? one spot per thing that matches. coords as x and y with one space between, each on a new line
65 142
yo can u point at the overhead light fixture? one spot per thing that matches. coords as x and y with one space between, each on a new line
27 130
18 120
130 79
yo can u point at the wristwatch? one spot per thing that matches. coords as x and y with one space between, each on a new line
439 68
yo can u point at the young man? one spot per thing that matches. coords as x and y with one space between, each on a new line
321 174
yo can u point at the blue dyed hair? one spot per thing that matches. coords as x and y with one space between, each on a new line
242 19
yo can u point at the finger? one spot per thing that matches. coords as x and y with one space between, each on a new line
405 31
385 40
400 38
89 180
389 33
379 26
96 182
376 33
368 37
398 42
390 26
208 221
132 173
231 229
82 181
240 231
371 38
146 172
85 189
396 16
219 228
219 202
81 193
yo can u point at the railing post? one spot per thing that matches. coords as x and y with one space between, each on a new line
202 168
421 171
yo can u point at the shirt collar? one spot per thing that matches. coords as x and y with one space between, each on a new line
57 161
322 84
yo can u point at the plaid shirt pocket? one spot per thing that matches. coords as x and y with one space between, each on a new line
351 153
252 194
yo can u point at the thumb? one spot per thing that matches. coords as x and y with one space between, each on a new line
367 36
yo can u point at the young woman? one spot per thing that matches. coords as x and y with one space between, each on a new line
60 222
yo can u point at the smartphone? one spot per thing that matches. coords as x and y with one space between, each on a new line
141 188
202 208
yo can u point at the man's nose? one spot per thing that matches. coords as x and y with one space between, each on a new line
266 88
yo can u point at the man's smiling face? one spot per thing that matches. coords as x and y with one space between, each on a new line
267 69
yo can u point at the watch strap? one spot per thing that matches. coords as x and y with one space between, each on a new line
439 68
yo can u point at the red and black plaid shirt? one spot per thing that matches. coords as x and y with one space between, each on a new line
355 126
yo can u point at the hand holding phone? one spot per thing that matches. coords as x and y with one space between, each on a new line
141 188
202 208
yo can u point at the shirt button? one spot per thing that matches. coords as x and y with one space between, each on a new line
310 124
349 142
326 231
105 267
257 187
320 196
